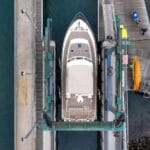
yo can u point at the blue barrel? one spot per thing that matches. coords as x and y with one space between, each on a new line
135 15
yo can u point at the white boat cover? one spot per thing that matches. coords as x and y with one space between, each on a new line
79 77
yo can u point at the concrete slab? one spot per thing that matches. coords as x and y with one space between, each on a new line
140 43
24 74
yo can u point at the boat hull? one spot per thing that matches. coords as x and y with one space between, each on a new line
79 73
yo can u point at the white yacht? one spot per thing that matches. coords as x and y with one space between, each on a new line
79 73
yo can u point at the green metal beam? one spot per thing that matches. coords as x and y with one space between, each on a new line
85 126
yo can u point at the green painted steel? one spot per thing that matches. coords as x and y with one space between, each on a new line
119 51
49 23
126 42
47 68
48 58
118 103
88 126
117 20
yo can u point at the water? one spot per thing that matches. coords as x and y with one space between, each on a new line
6 75
77 141
139 118
61 13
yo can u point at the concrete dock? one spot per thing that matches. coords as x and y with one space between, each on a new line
139 43
25 114
29 77
139 47
109 91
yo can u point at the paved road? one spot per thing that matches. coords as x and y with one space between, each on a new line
24 85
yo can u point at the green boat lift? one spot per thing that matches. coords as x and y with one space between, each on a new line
116 125
48 115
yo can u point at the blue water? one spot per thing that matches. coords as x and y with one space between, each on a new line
6 75
61 12
139 116
77 141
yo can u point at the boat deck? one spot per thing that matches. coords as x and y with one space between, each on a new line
69 108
